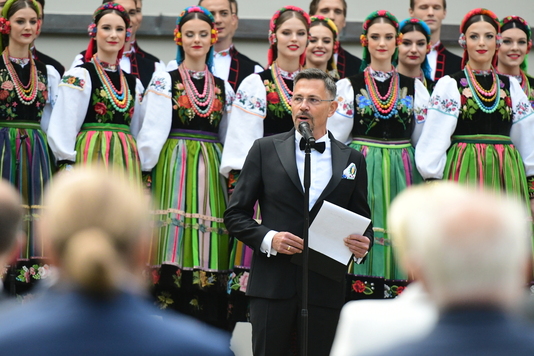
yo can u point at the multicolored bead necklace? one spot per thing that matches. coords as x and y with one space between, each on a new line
385 106
202 103
283 91
120 99
26 93
482 94
525 85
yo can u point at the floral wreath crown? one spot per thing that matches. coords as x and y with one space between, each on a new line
524 27
331 25
380 13
276 16
5 25
480 11
91 29
188 10
424 26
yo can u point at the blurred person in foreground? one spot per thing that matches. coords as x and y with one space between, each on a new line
472 256
97 228
10 228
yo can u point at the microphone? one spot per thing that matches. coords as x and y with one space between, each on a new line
306 132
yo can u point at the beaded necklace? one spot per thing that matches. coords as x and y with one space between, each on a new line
281 88
120 99
26 93
482 94
525 85
384 106
202 103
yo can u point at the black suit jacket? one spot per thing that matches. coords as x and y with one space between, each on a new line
270 176
347 64
447 63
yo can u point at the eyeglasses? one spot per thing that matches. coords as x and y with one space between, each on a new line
299 100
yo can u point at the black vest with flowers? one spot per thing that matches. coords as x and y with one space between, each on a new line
472 120
183 115
100 108
11 107
366 124
278 120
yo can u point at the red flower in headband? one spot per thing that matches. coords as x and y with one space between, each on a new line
5 26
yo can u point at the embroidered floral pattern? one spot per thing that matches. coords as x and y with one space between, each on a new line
164 300
183 105
104 109
530 183
469 106
238 282
393 291
363 287
158 85
274 103
250 103
73 81
204 279
34 272
521 109
364 108
447 106
8 97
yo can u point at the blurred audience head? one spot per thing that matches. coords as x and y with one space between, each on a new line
11 214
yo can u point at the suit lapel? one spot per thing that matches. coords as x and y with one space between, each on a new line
340 156
285 148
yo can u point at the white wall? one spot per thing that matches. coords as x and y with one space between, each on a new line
64 47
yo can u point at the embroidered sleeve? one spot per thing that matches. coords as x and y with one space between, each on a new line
229 99
157 106
440 123
340 124
245 123
419 109
69 113
522 131
50 96
138 113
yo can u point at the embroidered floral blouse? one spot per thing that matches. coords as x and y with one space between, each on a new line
168 107
452 111
258 111
11 107
82 99
355 116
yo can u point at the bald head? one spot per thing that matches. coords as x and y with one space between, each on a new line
10 216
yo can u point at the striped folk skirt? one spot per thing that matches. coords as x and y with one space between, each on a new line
390 169
25 161
191 198
110 145
490 161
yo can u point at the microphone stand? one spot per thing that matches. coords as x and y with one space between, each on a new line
305 251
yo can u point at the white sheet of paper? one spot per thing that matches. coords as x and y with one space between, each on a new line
331 225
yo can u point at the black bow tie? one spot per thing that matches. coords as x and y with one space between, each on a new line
319 146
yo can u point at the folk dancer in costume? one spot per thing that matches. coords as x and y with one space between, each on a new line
28 89
336 10
380 113
228 63
413 50
513 53
130 61
322 46
478 130
433 12
98 111
181 143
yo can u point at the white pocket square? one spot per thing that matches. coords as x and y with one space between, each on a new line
349 172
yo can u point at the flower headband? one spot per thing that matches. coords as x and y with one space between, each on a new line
363 38
462 40
272 30
5 26
425 66
332 26
91 29
525 27
178 33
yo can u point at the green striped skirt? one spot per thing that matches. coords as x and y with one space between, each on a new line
25 161
390 169
191 199
491 161
111 145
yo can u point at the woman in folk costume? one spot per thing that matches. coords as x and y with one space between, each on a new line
27 93
322 46
380 113
479 129
513 53
180 142
413 49
98 111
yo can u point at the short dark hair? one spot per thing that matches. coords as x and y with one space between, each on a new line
315 73
314 5
412 4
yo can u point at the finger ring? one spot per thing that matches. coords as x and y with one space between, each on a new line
288 248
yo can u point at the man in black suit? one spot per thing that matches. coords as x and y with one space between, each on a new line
433 12
336 10
10 227
472 255
273 175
